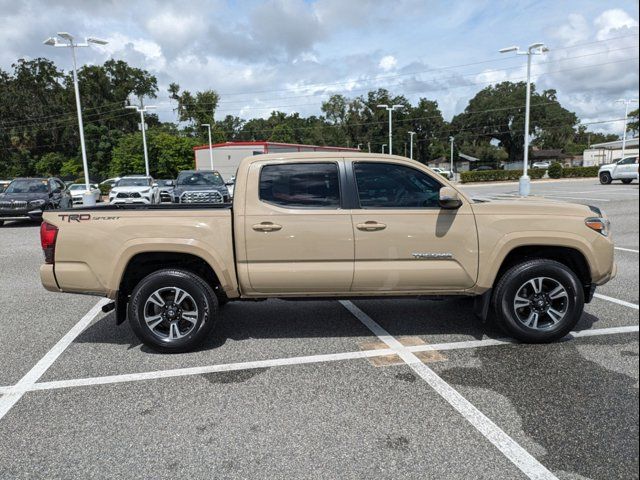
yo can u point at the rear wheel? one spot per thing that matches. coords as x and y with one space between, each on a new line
605 178
1 223
538 301
172 311
627 181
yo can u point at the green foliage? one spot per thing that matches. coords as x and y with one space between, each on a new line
497 175
71 168
497 113
632 126
580 172
50 164
555 170
168 154
104 189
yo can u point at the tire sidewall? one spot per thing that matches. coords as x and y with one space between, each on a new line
518 278
190 283
605 178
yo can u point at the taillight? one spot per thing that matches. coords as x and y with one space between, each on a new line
48 236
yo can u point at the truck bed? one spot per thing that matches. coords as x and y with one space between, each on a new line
95 244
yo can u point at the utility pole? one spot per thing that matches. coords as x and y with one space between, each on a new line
533 49
142 110
208 125
626 102
390 109
87 197
411 134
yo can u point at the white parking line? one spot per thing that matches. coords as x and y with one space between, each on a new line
10 399
616 300
522 459
332 357
626 249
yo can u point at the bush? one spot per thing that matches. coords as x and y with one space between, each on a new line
497 175
580 172
555 170
104 188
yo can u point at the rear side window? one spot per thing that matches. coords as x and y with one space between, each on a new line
387 185
301 185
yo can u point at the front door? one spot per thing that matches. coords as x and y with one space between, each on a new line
404 241
298 238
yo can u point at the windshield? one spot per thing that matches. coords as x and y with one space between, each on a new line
165 183
28 186
200 178
134 182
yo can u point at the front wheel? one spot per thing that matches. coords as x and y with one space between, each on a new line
1 223
172 311
605 178
538 301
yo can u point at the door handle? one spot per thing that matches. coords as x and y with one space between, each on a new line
267 227
371 226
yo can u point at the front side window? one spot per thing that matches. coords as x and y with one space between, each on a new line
628 161
387 185
301 185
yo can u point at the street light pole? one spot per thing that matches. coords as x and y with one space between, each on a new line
142 110
453 175
87 198
208 125
626 102
533 49
390 109
411 134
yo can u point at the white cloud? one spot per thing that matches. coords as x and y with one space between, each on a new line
388 62
612 22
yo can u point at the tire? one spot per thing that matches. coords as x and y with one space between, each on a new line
177 326
1 223
519 284
627 181
605 178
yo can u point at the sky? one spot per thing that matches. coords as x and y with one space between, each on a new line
290 55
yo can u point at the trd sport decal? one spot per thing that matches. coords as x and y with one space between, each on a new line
82 217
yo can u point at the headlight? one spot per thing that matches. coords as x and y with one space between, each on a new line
146 191
600 225
37 203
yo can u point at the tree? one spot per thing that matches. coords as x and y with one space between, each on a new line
168 154
498 112
195 109
633 125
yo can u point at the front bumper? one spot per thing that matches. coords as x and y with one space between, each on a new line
8 215
130 201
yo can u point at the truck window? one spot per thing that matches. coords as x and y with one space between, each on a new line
301 185
386 185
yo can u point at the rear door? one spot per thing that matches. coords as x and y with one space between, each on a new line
298 237
404 241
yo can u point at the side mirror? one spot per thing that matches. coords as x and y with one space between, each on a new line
56 191
449 199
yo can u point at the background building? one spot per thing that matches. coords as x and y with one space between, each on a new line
227 156
609 152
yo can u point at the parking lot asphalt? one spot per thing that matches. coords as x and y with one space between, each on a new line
313 389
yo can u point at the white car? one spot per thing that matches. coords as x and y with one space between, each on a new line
625 170
134 190
542 165
77 191
443 172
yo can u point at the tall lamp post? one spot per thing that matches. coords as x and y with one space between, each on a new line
626 102
69 42
390 109
142 110
208 125
453 175
533 49
411 134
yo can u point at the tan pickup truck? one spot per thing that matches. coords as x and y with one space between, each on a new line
331 225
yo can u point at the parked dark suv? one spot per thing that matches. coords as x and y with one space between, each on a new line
200 186
24 195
